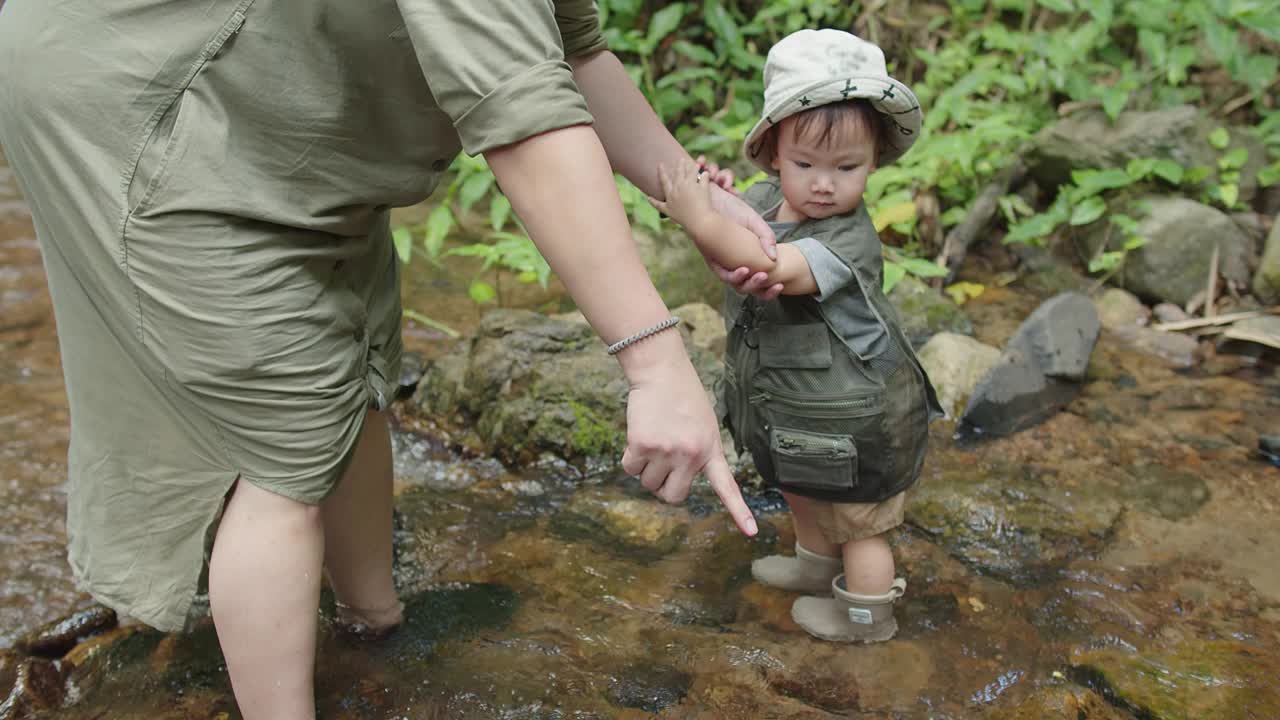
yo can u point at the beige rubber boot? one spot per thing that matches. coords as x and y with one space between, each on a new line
806 572
370 623
848 617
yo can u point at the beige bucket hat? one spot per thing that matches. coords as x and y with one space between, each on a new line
810 68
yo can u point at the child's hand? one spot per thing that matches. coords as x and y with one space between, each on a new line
720 176
688 193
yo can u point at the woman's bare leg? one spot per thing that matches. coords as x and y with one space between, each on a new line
357 532
264 589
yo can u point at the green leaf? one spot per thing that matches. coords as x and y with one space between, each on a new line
1180 58
696 53
1088 211
923 268
1106 261
1092 182
953 216
481 292
893 274
1169 171
439 223
473 189
648 216
721 24
1113 101
499 211
1196 174
528 277
1220 138
403 240
1230 194
1139 168
1133 242
1270 175
1235 159
663 22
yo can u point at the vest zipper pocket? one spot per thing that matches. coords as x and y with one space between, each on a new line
814 460
849 405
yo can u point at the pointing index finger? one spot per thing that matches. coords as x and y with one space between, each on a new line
717 473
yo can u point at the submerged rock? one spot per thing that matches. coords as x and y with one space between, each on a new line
1013 522
642 528
1177 349
1061 703
1120 309
37 689
54 639
1199 679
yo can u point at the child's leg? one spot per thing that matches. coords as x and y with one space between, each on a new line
868 565
815 563
808 534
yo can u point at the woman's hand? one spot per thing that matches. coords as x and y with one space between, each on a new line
673 434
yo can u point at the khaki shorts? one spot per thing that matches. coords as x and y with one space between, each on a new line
845 522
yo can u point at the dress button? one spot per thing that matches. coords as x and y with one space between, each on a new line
440 165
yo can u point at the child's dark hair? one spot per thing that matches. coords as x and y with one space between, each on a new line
825 121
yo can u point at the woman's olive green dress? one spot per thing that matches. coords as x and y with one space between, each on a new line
210 182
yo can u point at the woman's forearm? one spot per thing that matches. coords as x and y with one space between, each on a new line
561 186
633 136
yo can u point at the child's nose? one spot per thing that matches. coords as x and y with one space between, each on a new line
823 184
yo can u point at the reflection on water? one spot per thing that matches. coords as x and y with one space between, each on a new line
1115 562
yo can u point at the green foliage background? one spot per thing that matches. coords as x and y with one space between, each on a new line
989 75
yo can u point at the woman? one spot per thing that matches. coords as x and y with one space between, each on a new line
210 182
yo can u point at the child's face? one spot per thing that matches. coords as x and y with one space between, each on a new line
820 180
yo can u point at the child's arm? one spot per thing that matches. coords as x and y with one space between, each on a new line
730 245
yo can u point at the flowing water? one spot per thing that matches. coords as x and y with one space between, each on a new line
1117 561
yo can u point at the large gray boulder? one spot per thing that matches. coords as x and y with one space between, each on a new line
1181 235
1089 140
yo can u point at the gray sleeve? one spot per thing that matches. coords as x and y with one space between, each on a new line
829 271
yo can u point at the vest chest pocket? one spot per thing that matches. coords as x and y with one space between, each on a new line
814 460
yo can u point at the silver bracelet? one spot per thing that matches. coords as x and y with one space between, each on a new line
627 342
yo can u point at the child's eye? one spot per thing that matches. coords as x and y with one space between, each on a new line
804 165
848 168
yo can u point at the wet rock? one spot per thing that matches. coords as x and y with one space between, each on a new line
1171 494
1178 349
529 384
641 528
704 325
925 312
1266 281
1168 312
649 688
37 689
1015 523
1198 679
1037 372
1061 703
1269 448
1060 335
54 639
1120 309
412 367
955 363
1181 234
1090 140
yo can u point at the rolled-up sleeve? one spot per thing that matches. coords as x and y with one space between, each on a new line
829 271
579 23
497 67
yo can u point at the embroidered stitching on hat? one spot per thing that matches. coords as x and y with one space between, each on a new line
849 87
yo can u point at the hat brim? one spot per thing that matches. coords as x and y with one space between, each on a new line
889 97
